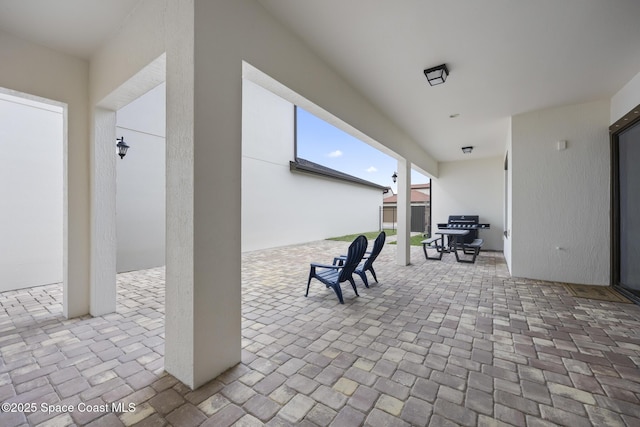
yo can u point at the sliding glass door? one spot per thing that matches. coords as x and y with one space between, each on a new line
629 202
625 146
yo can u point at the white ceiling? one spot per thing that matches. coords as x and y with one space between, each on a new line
75 27
505 56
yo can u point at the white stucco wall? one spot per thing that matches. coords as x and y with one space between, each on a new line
471 187
32 193
140 181
35 70
280 207
627 98
560 203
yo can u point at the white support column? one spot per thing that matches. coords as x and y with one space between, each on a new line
103 214
403 254
179 297
77 210
204 123
75 293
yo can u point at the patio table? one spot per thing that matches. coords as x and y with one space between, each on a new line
453 235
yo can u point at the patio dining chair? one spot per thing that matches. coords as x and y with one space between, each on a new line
333 275
369 258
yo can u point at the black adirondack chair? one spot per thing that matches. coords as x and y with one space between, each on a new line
333 275
369 258
361 270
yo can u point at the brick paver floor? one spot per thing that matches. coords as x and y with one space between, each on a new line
435 343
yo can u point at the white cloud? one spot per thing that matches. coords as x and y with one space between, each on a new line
371 169
336 153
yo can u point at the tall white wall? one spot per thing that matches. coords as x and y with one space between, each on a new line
35 70
31 135
560 204
280 207
471 187
140 181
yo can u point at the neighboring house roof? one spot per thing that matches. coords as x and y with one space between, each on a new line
416 197
425 185
306 166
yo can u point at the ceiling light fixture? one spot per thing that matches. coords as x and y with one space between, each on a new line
467 150
437 75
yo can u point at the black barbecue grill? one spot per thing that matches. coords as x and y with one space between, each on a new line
464 222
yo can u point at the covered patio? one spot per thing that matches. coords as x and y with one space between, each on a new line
434 343
526 90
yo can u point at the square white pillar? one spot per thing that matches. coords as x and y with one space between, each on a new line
103 292
403 254
204 123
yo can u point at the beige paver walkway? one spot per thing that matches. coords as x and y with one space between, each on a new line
435 343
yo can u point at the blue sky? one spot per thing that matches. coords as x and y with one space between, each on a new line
327 145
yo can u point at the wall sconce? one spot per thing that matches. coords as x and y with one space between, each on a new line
467 150
122 147
437 75
394 177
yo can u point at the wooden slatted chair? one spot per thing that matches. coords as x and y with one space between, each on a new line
333 275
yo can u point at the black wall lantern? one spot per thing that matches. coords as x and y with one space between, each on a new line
122 147
394 177
437 75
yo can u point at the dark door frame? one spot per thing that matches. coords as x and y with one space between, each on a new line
630 119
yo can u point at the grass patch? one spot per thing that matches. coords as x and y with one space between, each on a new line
370 236
413 241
